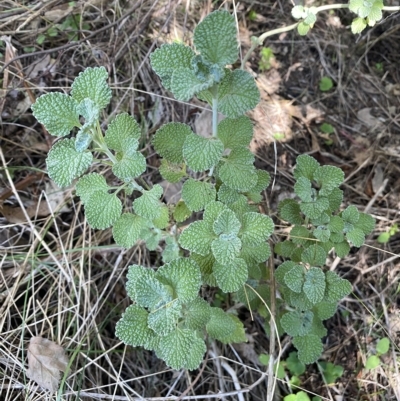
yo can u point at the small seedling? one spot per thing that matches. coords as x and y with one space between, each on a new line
267 56
301 396
382 347
331 372
325 84
384 238
327 130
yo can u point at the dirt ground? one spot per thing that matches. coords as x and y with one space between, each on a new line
63 281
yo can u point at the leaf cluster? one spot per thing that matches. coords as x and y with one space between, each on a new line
202 71
318 227
169 317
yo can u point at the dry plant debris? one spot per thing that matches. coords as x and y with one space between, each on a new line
45 360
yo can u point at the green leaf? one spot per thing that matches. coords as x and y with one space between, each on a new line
342 249
358 25
365 223
169 58
197 194
356 237
289 211
309 348
164 319
294 278
171 251
231 276
202 153
64 163
255 254
181 212
314 209
169 140
237 94
131 164
134 272
211 213
305 167
263 180
226 223
295 367
90 111
235 132
82 141
325 310
197 314
220 324
373 362
226 248
314 255
299 235
150 292
238 335
335 199
382 346
185 83
303 28
336 287
102 209
325 84
197 238
298 12
302 189
351 214
238 171
336 224
183 276
206 264
162 220
297 323
256 228
90 183
322 233
148 205
215 38
228 195
57 112
182 349
127 229
281 271
328 177
133 329
92 84
314 285
172 172
122 127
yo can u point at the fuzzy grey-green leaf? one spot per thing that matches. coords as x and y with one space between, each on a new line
197 194
64 163
201 153
120 129
102 209
57 112
133 329
183 276
235 132
148 205
215 38
90 183
231 276
197 238
92 84
126 230
169 139
168 58
238 93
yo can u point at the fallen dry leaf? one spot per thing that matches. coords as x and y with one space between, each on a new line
45 360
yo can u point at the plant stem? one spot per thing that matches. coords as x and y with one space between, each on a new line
214 116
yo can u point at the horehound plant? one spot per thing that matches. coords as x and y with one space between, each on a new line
225 245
